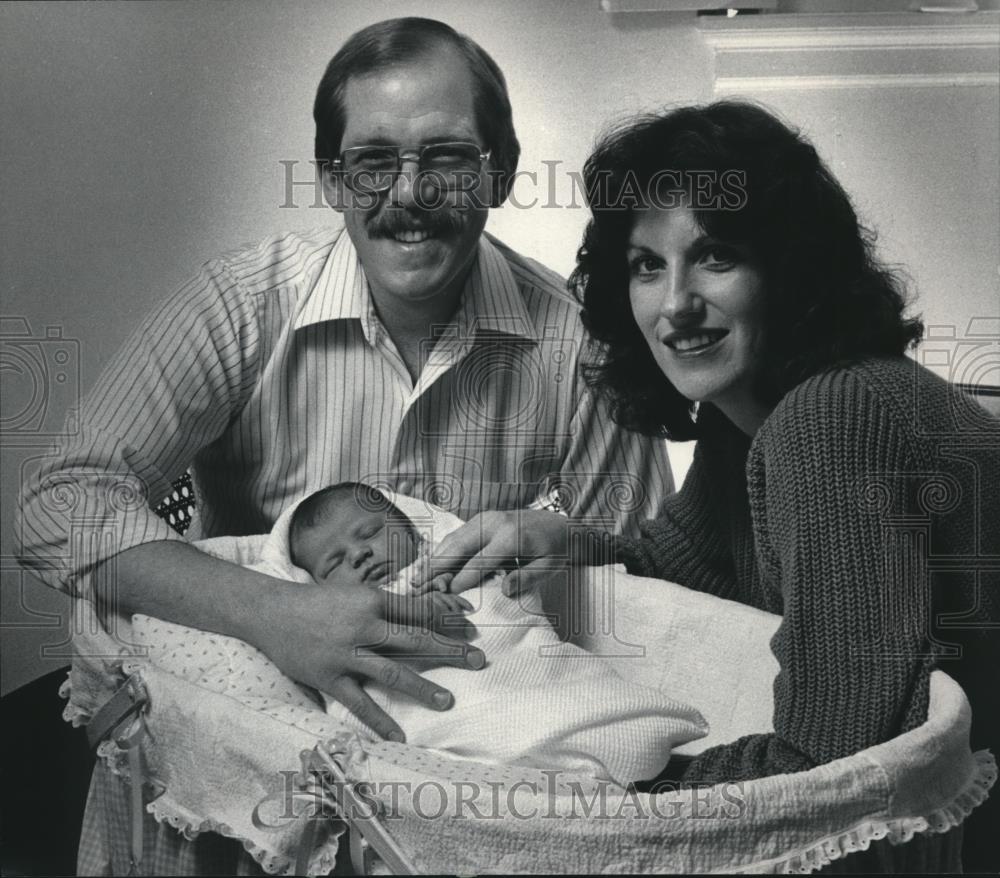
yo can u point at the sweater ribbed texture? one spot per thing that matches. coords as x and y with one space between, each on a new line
866 506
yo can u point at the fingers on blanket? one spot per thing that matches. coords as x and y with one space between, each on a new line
484 563
433 648
531 575
443 602
437 610
399 678
453 552
442 583
348 692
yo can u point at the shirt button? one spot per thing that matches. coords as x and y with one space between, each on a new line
404 486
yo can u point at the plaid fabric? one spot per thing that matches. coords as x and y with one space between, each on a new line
105 845
177 508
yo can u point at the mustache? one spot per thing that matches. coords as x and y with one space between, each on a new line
389 222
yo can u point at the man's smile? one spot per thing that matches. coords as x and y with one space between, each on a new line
413 236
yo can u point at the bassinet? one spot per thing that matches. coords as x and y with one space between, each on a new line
430 813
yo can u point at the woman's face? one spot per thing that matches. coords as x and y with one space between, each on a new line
699 304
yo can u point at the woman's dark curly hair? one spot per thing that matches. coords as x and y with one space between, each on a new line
759 185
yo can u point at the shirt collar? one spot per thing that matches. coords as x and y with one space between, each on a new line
340 291
491 300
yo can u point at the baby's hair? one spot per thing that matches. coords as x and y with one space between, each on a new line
315 508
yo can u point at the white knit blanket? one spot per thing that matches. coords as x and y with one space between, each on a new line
538 702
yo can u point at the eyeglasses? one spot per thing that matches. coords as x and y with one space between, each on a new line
448 166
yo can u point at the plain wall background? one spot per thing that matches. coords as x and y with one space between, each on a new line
140 139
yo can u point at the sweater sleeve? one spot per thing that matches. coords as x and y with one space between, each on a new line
828 492
685 543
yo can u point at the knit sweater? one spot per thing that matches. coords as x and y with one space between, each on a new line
865 507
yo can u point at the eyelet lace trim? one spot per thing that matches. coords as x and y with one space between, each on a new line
322 861
72 712
898 830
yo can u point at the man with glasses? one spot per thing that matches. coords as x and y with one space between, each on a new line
414 352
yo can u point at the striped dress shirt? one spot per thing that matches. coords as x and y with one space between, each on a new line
270 375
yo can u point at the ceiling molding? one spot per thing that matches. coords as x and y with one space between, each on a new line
807 51
751 84
852 38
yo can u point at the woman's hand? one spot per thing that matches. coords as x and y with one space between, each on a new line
531 544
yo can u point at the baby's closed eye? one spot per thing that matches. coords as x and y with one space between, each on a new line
333 563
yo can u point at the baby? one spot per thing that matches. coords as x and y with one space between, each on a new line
538 701
351 533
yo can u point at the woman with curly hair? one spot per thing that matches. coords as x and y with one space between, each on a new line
736 300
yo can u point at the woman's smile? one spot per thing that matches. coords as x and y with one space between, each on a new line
694 343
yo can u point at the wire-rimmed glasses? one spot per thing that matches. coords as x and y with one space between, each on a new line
451 166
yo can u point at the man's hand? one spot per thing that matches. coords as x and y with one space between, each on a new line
443 604
333 639
336 639
532 544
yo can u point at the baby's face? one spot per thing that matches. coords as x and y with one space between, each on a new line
352 545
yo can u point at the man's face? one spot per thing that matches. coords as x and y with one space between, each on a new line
409 252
